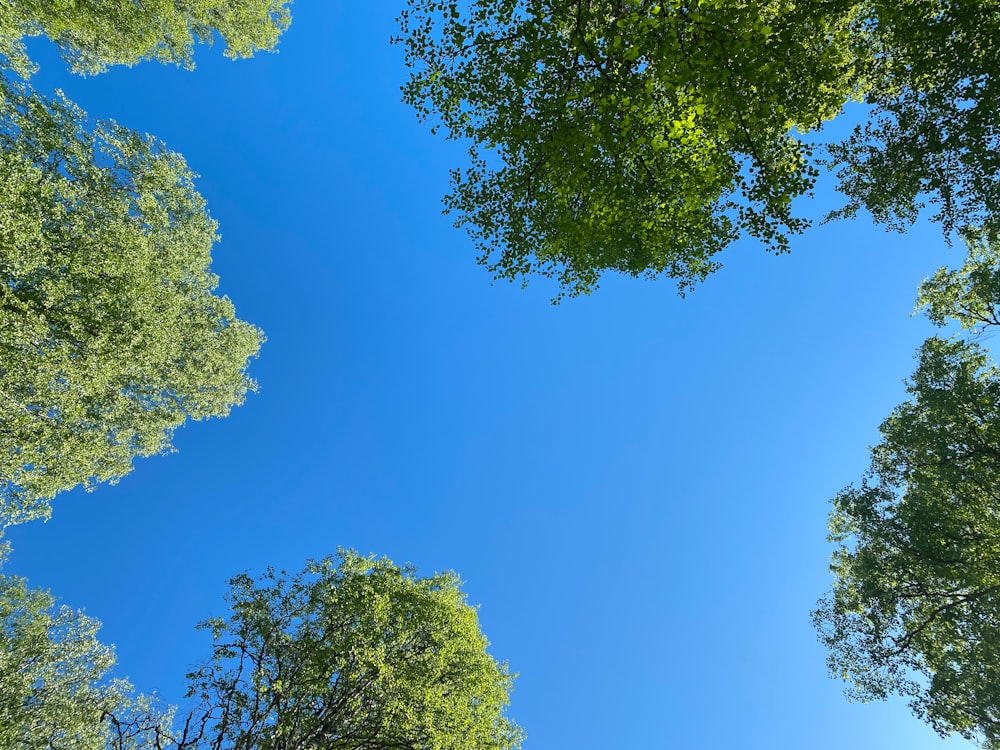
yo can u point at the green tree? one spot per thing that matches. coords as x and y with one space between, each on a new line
98 33
934 136
55 693
352 653
969 295
110 335
641 136
915 605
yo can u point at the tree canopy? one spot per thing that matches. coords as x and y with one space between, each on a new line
645 136
110 334
915 606
99 33
354 653
639 136
55 690
934 136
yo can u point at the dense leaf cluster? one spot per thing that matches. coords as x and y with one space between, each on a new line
95 34
636 136
915 607
55 693
352 652
644 136
110 335
934 137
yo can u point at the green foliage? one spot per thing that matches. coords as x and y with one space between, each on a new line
971 294
98 33
351 653
110 336
915 606
644 136
935 134
640 136
54 691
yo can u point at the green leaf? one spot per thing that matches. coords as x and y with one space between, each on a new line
622 134
110 334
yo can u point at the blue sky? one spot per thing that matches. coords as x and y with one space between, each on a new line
634 486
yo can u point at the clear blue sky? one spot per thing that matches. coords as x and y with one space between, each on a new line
634 486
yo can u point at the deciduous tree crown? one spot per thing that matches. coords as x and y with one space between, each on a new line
644 136
99 33
915 606
110 334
